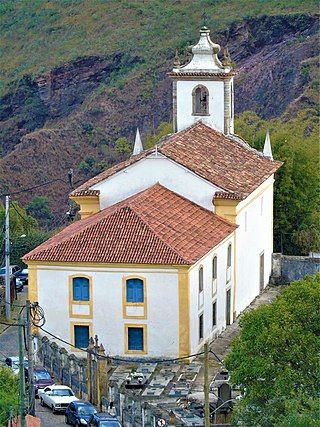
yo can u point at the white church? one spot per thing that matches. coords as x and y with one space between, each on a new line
172 243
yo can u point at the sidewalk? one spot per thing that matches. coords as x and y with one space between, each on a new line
9 335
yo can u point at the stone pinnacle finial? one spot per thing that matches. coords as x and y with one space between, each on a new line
138 147
226 62
267 152
177 62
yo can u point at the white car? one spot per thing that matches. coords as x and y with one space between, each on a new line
57 397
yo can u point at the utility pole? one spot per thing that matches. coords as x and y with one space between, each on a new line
30 362
7 258
206 385
21 375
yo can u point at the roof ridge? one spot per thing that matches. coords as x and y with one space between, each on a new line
157 235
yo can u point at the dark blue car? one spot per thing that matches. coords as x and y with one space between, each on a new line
79 413
104 420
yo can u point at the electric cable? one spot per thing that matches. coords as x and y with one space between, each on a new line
32 188
119 359
38 320
21 216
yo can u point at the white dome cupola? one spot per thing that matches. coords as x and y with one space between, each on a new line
203 88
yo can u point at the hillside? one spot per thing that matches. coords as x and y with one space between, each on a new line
80 75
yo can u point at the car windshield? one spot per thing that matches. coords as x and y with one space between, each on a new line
24 271
2 271
86 410
42 375
61 392
108 423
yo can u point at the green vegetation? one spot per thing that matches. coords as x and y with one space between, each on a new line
37 35
9 392
164 128
24 232
275 360
296 143
39 209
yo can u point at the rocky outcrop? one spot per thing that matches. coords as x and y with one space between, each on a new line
275 58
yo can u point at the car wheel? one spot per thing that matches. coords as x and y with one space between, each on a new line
41 402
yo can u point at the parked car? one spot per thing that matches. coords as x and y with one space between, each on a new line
42 378
19 285
135 380
12 362
104 420
79 413
14 270
57 397
23 276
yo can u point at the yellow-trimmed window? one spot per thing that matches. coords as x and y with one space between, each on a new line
134 297
136 339
80 295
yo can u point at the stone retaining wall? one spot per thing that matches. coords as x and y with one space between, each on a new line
287 268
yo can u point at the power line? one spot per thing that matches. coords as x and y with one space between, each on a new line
21 216
32 188
119 359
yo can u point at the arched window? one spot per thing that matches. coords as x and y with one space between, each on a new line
229 263
80 289
229 256
200 279
200 95
134 290
214 274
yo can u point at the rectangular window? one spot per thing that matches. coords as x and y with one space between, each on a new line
135 339
134 290
80 287
81 336
214 314
201 327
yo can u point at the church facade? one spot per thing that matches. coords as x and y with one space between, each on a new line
174 242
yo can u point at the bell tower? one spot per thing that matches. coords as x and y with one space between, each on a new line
203 88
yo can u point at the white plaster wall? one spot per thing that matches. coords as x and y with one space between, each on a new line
210 332
251 241
185 117
148 172
108 322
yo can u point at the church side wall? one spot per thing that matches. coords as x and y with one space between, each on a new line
160 318
185 115
254 238
212 293
148 172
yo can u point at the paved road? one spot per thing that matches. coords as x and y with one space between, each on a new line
9 346
48 419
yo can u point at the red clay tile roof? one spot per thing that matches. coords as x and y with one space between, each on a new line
86 193
222 160
200 74
155 226
224 195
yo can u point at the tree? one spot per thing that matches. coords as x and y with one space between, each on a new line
164 128
24 233
122 146
275 359
20 221
295 142
39 209
9 392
